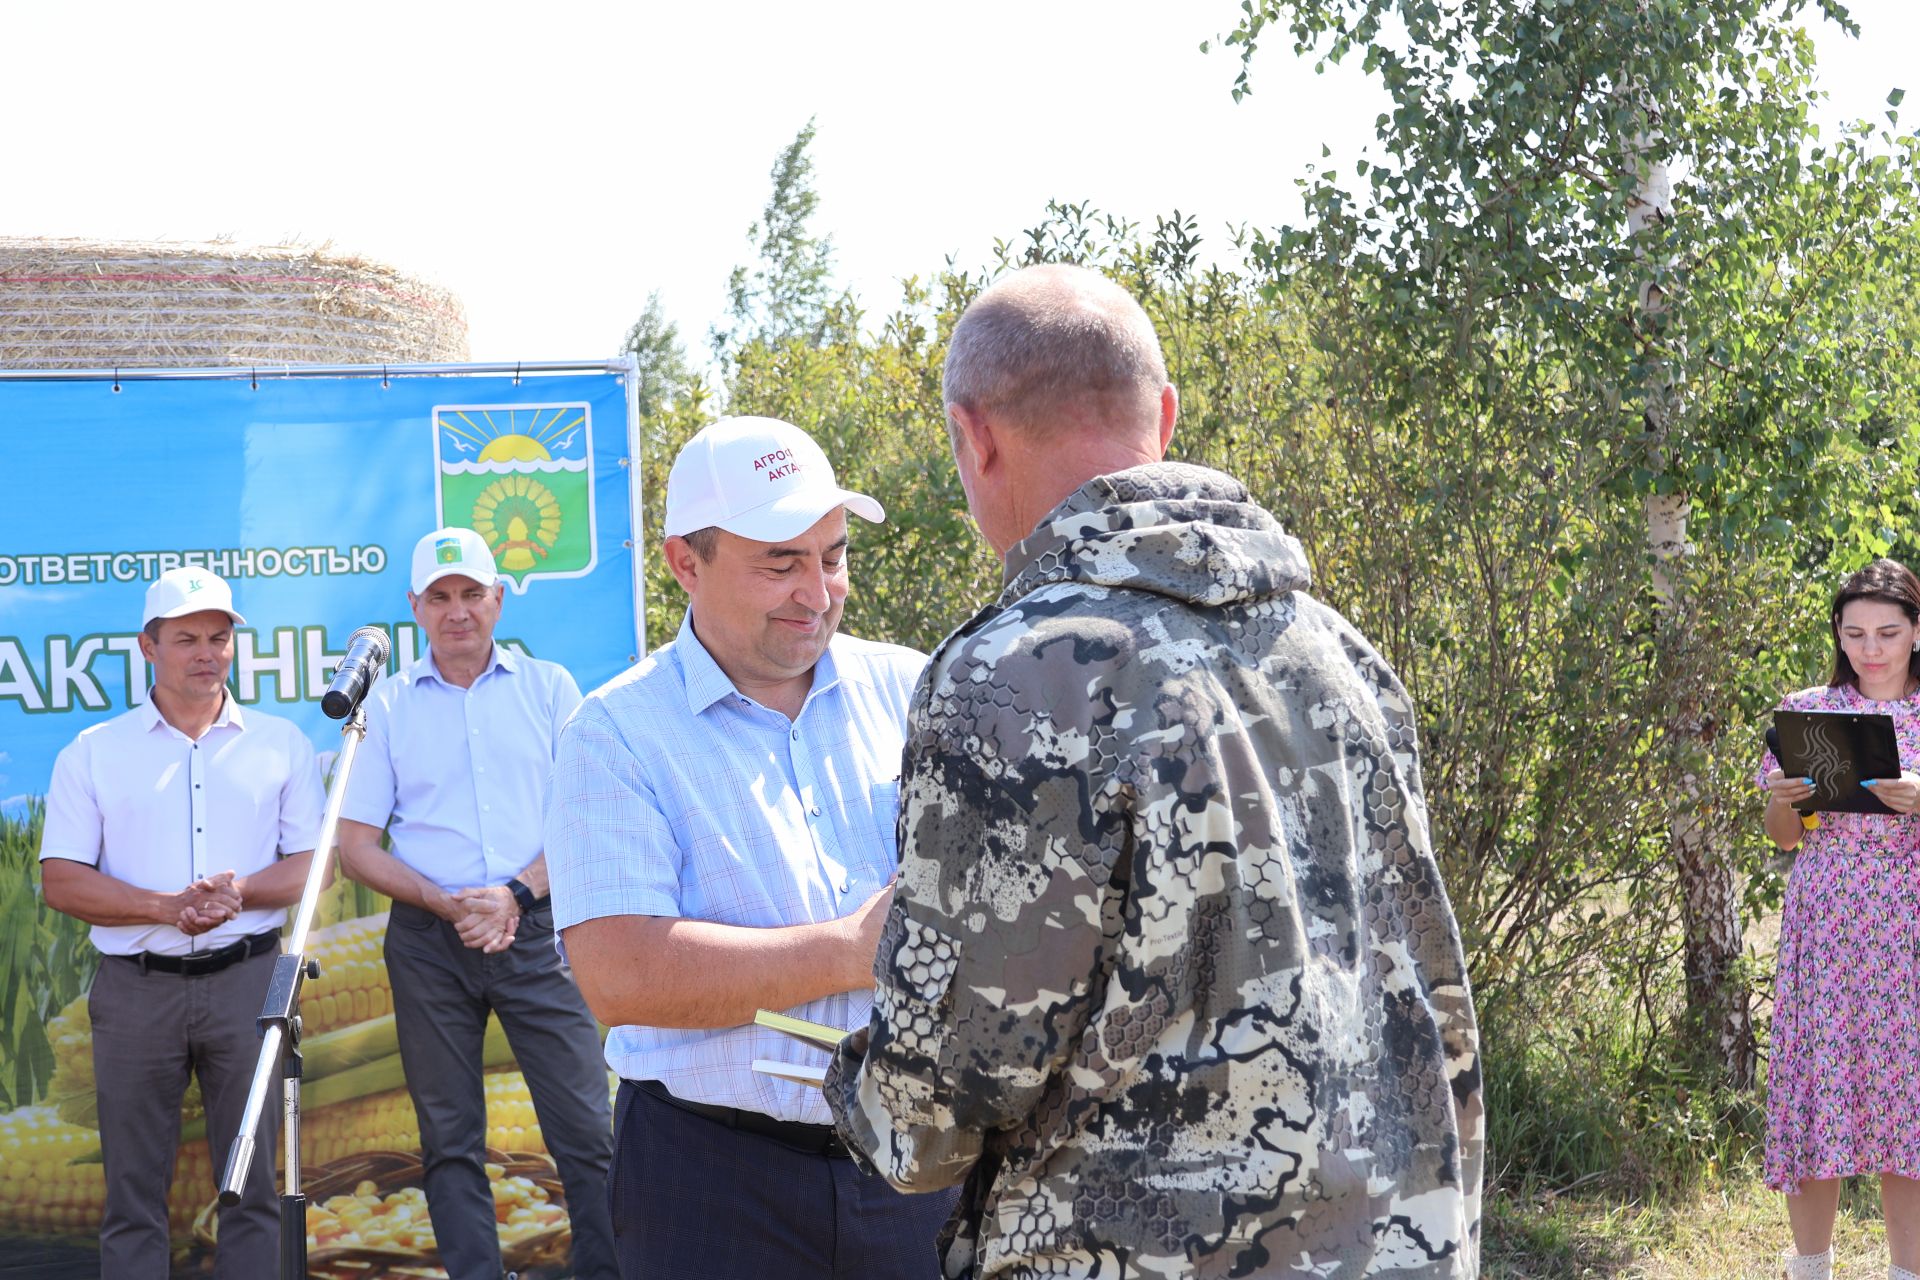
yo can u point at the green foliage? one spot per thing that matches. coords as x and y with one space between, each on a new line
787 294
1593 1098
46 960
1510 377
663 372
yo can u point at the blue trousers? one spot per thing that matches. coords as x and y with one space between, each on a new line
693 1199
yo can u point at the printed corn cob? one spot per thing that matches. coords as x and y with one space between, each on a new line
352 986
52 1182
355 1101
42 1192
385 1122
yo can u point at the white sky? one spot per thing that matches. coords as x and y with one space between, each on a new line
553 162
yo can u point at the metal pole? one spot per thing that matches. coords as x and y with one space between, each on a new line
614 365
635 490
280 1030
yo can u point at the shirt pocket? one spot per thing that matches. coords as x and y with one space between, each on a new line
886 818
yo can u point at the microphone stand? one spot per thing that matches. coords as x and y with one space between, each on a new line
280 1026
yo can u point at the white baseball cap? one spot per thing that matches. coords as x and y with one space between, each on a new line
178 592
445 552
761 478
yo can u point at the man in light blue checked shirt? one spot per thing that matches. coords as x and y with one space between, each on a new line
720 836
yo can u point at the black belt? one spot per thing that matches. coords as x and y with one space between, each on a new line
816 1139
199 964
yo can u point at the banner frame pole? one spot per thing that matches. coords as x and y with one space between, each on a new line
616 364
636 491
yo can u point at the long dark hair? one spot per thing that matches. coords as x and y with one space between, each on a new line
1885 580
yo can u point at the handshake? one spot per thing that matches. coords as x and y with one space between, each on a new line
206 903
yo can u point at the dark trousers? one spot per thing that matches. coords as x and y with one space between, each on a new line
152 1030
694 1199
442 993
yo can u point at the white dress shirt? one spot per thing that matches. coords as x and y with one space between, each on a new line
462 773
144 803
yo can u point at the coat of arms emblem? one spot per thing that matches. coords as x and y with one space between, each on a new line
521 476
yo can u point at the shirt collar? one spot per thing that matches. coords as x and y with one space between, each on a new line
707 684
502 659
230 714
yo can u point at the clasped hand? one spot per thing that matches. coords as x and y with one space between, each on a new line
486 919
207 903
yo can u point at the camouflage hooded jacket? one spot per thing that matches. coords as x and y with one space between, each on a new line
1170 979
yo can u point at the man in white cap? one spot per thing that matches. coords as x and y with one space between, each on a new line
456 759
721 834
181 830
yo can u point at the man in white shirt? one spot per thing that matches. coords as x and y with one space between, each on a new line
458 749
181 831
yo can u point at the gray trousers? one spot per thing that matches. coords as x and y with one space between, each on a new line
150 1032
442 993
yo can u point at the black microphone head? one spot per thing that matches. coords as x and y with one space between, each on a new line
360 666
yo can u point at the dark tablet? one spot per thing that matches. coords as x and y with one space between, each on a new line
1839 750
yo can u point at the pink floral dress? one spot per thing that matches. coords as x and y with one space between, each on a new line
1843 1086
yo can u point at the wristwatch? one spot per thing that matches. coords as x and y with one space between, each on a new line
522 895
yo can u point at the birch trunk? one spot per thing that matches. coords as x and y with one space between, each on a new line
1717 1003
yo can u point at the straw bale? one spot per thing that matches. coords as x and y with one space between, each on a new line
80 304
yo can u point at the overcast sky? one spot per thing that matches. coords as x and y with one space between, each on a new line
552 163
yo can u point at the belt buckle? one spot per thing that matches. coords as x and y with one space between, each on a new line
202 963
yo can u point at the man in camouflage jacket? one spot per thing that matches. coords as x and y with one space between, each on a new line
1170 979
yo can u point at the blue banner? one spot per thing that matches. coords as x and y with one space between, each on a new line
307 495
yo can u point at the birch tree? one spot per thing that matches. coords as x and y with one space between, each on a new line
1622 208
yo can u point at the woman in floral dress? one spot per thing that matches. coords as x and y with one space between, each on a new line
1843 1089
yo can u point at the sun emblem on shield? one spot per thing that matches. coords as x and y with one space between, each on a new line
521 476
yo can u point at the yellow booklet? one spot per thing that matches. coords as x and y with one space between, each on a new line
817 1034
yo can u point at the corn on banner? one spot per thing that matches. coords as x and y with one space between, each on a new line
306 493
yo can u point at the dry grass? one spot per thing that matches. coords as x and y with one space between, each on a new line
1733 1233
114 304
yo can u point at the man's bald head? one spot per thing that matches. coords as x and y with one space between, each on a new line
1057 347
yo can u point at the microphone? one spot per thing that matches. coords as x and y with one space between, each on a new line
366 656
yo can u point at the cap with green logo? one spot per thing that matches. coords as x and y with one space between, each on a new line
179 592
446 552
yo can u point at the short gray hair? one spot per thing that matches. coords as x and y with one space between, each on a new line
1049 337
704 542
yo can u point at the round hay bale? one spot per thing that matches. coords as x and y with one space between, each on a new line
81 304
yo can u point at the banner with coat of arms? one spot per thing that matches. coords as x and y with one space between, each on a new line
308 495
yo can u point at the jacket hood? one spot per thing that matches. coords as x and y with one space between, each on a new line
1185 532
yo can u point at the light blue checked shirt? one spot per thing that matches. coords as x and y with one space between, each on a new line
675 795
